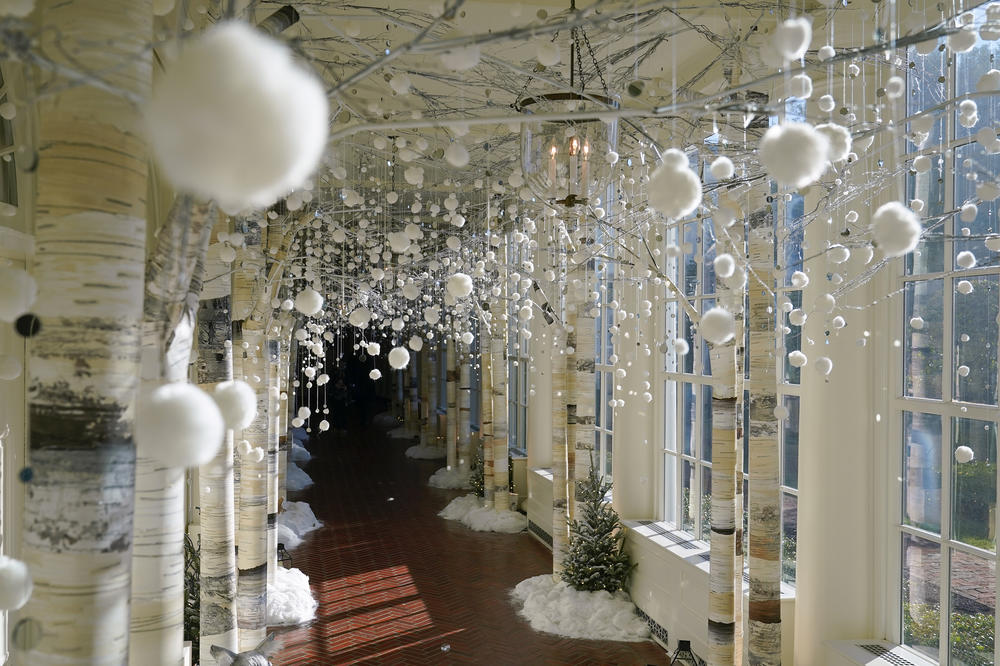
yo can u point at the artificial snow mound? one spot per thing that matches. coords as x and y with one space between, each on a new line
469 511
289 599
556 608
424 452
298 519
403 432
286 537
452 479
234 118
296 479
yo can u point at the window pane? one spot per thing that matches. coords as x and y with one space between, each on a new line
793 341
790 442
688 418
669 424
975 341
706 362
598 406
687 361
689 246
607 454
706 503
687 489
922 470
707 264
973 603
789 536
921 604
669 488
974 483
923 353
609 388
706 427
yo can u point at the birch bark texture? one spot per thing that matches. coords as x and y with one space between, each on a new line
174 276
464 413
90 234
725 582
486 408
451 419
217 576
498 383
560 513
764 616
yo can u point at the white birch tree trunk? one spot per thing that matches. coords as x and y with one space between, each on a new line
560 506
218 530
271 391
83 365
725 626
451 419
498 382
426 415
486 410
581 403
764 617
173 281
464 414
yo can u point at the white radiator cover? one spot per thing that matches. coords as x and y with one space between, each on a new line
879 653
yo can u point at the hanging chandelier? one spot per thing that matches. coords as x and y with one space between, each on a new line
569 162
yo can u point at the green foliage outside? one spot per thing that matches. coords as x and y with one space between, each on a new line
596 558
971 635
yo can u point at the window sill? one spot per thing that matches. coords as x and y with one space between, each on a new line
682 545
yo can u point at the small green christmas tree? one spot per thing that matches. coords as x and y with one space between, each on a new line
596 559
476 481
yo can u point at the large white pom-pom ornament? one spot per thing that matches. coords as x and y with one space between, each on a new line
896 229
468 337
797 359
457 155
15 583
823 365
792 37
965 259
375 374
839 138
18 291
179 425
717 326
799 280
416 343
674 189
459 285
794 154
399 358
360 317
237 402
722 168
547 53
461 58
432 315
308 302
964 454
234 118
725 265
800 86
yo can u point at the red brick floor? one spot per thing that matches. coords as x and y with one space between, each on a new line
396 584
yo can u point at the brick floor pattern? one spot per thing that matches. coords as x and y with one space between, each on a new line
396 584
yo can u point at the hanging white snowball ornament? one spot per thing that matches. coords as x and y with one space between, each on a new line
969 212
461 58
432 315
797 317
839 138
895 87
399 358
373 349
962 40
826 52
963 371
304 412
725 265
800 86
917 323
468 337
895 229
717 326
547 53
459 285
324 425
10 367
722 168
18 291
681 347
826 103
15 583
965 259
416 343
457 155
964 454
234 118
792 37
360 317
794 154
989 82
838 254
178 424
674 189
308 302
375 374
823 365
237 403
799 280
797 359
